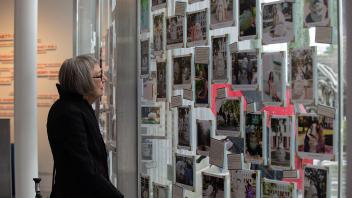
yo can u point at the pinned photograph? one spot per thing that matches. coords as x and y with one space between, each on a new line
184 128
158 4
278 23
245 70
145 186
144 16
274 188
219 50
201 85
184 171
303 75
316 13
213 186
316 182
147 149
150 115
245 183
247 19
144 57
273 78
161 80
158 34
229 117
160 191
280 142
221 13
234 144
174 36
197 28
149 87
254 138
203 137
182 72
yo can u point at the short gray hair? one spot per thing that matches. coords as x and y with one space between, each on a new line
75 75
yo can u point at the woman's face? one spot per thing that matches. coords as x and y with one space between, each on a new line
98 82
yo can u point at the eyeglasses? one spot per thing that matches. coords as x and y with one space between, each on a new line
100 76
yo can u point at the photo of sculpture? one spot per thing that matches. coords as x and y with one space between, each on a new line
221 13
219 50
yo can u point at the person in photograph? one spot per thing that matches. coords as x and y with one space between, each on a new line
198 34
221 9
279 22
158 35
219 63
254 75
271 89
177 72
202 93
185 74
318 11
314 139
172 29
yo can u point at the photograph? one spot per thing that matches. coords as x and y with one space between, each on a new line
221 13
273 78
149 87
268 172
182 72
184 171
158 4
234 144
161 80
316 13
213 186
245 70
219 51
228 117
144 57
160 191
197 28
145 186
184 128
280 142
174 34
244 183
147 149
203 137
150 115
201 85
194 1
247 19
144 16
158 34
278 22
315 134
254 138
316 182
303 75
274 188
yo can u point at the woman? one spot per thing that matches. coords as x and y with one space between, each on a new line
80 157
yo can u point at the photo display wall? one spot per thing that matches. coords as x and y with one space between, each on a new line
233 100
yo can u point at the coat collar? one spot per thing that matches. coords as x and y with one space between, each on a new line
68 95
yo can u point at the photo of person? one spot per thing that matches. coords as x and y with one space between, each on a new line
158 4
174 36
315 134
278 23
182 72
147 149
184 127
273 67
228 117
201 84
302 75
245 70
161 80
316 13
184 171
144 57
150 115
315 182
254 138
144 16
221 13
160 191
158 34
203 137
280 142
244 183
145 187
213 186
247 19
274 188
219 50
197 28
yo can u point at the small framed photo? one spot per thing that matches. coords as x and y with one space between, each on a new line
144 17
245 183
247 10
145 182
161 81
158 34
229 116
274 188
185 171
174 35
245 70
203 136
201 84
184 128
147 149
182 72
316 181
160 191
197 28
278 22
221 13
149 87
213 185
153 120
219 54
145 57
316 13
158 4
151 115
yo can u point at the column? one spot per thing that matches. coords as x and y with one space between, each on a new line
25 94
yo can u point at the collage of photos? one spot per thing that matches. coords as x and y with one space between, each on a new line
203 137
280 139
158 34
213 186
150 115
247 19
197 23
228 117
273 80
244 183
254 138
144 57
274 188
174 35
184 171
160 191
219 50
278 22
201 84
245 70
182 72
161 80
316 13
145 182
221 13
184 128
316 182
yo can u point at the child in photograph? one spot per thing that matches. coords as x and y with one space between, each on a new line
318 11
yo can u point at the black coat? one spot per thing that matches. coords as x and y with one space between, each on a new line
78 149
